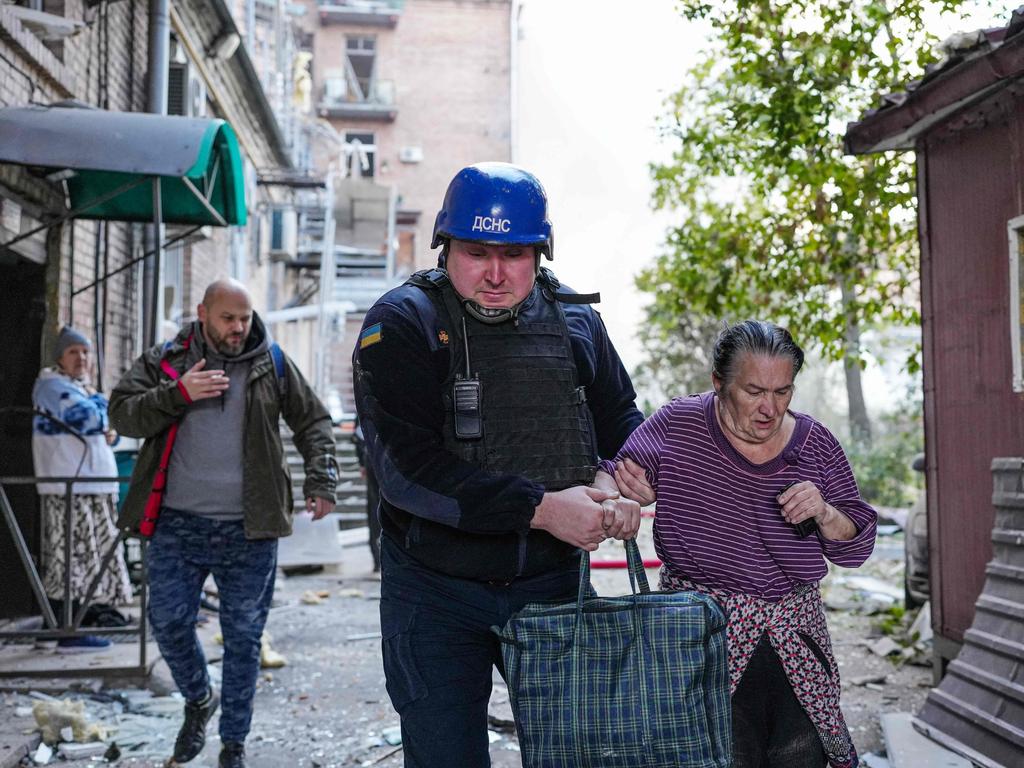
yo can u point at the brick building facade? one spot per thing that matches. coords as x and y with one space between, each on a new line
96 54
414 90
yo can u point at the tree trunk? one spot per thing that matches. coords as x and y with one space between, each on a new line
860 424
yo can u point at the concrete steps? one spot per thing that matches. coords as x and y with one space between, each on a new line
351 492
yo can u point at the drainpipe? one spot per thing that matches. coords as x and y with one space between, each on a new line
513 79
250 28
156 103
328 269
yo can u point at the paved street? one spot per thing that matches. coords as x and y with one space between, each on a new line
328 707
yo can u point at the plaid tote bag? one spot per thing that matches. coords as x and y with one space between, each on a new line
639 681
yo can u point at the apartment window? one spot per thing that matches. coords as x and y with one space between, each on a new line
361 56
45 19
172 308
362 154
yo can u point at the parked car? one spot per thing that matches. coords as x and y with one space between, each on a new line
915 556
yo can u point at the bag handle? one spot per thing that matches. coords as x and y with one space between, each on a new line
638 582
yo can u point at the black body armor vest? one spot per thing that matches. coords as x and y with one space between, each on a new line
534 422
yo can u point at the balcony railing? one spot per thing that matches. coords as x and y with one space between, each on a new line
345 103
369 13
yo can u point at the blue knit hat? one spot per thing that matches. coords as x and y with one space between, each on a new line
69 337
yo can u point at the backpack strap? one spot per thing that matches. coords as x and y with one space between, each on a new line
151 511
277 356
548 281
429 278
167 368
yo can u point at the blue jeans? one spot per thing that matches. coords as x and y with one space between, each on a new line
184 550
439 652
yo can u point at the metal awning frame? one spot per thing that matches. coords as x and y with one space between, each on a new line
209 180
203 196
69 624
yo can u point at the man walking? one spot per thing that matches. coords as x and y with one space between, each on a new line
486 393
213 466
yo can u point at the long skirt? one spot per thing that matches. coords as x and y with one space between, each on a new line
92 524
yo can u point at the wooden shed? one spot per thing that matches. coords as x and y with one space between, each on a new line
965 122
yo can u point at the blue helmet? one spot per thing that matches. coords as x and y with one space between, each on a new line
498 204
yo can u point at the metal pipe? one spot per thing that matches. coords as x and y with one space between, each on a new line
94 584
143 601
328 271
68 597
75 212
157 56
514 12
97 322
158 53
26 559
167 244
155 265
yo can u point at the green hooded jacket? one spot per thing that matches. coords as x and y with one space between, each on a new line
146 402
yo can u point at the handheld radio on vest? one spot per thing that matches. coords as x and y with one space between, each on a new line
467 395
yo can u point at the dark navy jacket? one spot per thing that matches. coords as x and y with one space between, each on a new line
401 361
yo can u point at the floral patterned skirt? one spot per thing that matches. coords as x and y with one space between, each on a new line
797 631
93 529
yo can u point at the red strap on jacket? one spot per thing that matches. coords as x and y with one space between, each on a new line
156 494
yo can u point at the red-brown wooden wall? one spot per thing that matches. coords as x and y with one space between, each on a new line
970 183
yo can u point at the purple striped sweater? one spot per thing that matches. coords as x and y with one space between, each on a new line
718 522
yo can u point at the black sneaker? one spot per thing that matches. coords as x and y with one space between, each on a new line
192 736
232 755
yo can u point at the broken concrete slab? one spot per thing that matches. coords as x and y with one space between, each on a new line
907 748
885 646
51 685
75 751
15 744
866 679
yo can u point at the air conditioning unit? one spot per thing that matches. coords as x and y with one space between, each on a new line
284 234
411 154
186 91
335 89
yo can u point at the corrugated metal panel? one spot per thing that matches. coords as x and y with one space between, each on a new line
979 705
972 415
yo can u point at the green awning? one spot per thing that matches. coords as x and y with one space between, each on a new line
112 158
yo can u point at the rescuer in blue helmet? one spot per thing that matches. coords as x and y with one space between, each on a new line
494 204
487 393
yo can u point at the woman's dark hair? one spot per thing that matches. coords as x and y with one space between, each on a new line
755 337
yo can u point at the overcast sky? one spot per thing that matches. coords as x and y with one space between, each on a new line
592 78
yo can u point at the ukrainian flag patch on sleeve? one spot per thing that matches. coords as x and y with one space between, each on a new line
371 335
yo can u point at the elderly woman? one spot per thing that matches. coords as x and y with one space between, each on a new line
753 499
64 392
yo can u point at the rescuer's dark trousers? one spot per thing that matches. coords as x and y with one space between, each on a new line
440 652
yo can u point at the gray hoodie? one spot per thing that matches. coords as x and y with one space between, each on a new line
205 473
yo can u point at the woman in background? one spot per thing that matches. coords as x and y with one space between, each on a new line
64 392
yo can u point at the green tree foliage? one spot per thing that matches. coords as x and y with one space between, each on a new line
884 471
775 220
